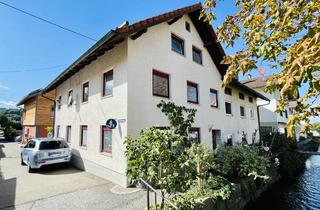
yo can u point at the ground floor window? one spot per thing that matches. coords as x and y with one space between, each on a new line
83 135
68 134
194 135
106 140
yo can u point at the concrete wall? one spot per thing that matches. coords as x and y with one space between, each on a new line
94 114
153 51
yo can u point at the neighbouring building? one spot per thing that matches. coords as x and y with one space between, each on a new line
38 114
270 120
171 57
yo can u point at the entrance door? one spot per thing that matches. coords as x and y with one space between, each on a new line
215 138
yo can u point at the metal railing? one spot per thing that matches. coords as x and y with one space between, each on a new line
151 189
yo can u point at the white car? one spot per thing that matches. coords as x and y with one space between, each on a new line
45 151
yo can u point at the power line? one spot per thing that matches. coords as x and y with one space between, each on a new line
47 21
31 70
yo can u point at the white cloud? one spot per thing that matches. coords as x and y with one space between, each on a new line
4 87
8 104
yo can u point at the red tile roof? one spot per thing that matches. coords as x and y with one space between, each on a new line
158 19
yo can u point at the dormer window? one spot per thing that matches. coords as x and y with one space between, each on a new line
228 91
70 97
241 96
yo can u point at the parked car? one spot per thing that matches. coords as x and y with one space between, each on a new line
45 151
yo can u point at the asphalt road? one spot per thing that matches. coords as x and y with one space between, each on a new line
58 187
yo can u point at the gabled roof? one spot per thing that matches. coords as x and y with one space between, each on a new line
249 90
116 36
29 96
256 82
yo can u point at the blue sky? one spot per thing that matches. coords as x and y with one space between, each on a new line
28 44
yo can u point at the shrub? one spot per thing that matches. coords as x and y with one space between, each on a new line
216 188
9 133
242 161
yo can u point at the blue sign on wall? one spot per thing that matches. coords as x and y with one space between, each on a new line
111 123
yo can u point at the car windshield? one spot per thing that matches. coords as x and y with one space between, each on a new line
44 145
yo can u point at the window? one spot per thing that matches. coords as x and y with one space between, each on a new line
59 102
228 91
52 112
177 45
241 96
194 135
58 131
192 92
160 84
68 134
213 98
106 140
196 55
31 144
228 108
45 145
108 83
281 114
188 26
85 92
286 113
250 99
242 111
251 114
83 135
70 97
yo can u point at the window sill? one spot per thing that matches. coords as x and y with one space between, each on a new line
84 102
192 102
229 115
156 95
108 154
242 117
177 53
106 96
215 107
84 147
201 64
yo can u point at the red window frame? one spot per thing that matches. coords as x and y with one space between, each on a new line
82 128
163 75
216 92
108 73
195 85
103 128
83 87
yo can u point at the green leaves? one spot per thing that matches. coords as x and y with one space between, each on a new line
284 34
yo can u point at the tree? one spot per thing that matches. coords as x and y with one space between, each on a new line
3 121
284 35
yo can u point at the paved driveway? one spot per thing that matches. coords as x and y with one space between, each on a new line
57 188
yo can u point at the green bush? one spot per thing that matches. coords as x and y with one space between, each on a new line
241 161
216 187
9 133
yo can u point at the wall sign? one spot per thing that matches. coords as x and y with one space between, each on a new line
111 123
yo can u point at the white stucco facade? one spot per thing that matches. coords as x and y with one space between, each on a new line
132 100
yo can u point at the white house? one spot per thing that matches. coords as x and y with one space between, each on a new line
171 57
270 120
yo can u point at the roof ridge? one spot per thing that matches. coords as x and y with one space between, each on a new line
159 18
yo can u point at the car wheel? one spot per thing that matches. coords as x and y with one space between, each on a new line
22 163
30 170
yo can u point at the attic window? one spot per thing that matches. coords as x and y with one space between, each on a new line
188 26
70 97
177 44
59 102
